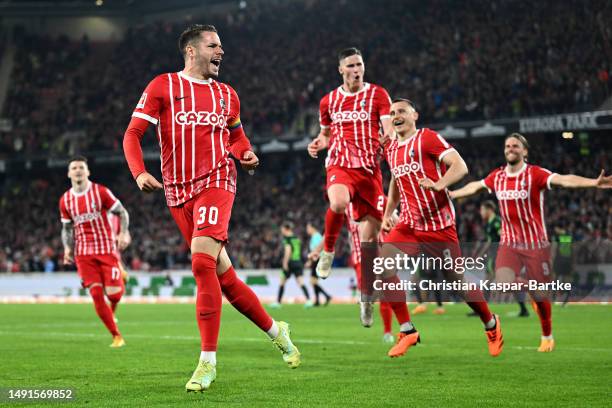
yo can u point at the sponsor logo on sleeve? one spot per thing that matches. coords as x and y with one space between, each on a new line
142 101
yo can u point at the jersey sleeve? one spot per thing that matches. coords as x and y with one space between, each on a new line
489 181
383 103
109 201
150 103
324 117
542 177
436 146
233 102
65 217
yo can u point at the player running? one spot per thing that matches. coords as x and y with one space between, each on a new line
350 118
423 165
519 188
292 264
89 241
198 125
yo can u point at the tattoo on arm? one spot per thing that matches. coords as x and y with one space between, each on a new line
67 235
124 217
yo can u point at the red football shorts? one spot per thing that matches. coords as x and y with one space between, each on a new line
102 269
535 261
365 188
205 215
443 243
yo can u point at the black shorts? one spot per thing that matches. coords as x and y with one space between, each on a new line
296 268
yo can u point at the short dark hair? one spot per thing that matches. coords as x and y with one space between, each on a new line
288 225
192 34
489 204
406 100
77 159
347 52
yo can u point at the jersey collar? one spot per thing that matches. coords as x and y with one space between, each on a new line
194 80
405 142
366 86
518 172
74 193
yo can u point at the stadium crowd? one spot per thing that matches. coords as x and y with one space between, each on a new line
288 186
459 60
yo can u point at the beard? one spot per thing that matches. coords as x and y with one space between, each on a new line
514 161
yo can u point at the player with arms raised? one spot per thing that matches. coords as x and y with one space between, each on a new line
198 126
89 241
351 117
519 187
423 165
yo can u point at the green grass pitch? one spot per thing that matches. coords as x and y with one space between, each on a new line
59 346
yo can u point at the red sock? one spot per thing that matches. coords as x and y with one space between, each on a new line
399 307
115 298
244 299
386 314
103 310
476 301
208 299
333 226
545 314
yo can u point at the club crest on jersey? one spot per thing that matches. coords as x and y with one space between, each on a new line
222 103
350 116
142 101
362 104
411 153
404 169
93 207
200 118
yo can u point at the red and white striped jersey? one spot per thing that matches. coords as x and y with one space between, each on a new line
354 119
193 119
93 233
413 159
521 204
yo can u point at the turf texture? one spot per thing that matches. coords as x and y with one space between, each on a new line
66 346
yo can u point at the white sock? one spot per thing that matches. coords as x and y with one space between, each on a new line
547 337
406 327
490 324
274 330
210 356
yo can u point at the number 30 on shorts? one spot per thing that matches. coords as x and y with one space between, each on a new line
211 212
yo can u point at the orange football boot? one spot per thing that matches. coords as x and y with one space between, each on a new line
404 342
495 338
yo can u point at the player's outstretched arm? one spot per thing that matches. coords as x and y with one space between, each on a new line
319 143
133 155
123 238
393 199
468 190
68 242
574 181
457 169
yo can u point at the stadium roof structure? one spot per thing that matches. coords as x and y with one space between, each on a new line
29 8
